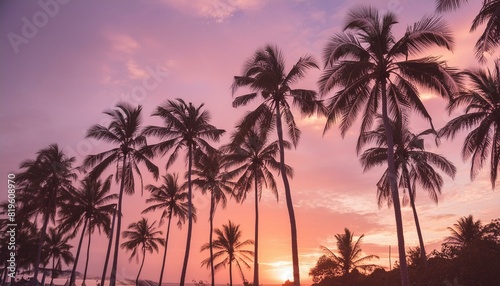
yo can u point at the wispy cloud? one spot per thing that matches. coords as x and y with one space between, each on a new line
217 10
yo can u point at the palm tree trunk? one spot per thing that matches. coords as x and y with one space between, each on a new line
4 276
423 256
77 257
108 252
142 264
289 204
39 250
230 272
212 207
190 217
405 280
52 272
88 256
256 242
43 276
112 279
165 249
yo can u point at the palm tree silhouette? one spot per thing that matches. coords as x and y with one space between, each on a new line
143 236
465 232
349 252
42 182
228 246
252 161
489 14
210 177
264 73
172 199
186 126
413 165
123 131
110 243
56 248
88 208
373 71
482 115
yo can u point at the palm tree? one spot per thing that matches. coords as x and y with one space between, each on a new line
482 113
42 183
123 131
489 14
172 199
373 71
229 246
186 126
264 73
252 161
143 236
88 208
465 232
56 248
110 243
349 252
210 177
413 165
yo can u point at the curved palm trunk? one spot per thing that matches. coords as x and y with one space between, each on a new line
87 260
112 279
142 264
190 217
423 256
212 207
39 250
256 242
405 280
108 252
77 257
289 204
165 249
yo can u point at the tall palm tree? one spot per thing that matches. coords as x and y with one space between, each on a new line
186 126
413 165
264 73
229 246
110 243
56 248
373 71
251 161
211 178
482 115
465 232
42 182
124 132
489 14
88 208
172 199
349 252
143 236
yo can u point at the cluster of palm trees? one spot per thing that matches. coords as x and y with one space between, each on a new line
369 72
469 256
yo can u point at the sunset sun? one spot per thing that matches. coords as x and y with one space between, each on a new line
286 274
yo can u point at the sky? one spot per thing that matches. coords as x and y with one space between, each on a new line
65 62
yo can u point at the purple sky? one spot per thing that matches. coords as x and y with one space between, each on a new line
65 63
